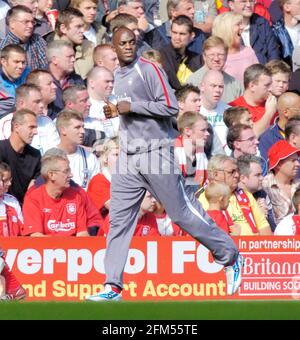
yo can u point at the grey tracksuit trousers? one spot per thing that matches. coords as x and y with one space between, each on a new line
135 175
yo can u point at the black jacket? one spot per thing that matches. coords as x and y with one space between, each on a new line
171 60
61 4
263 40
294 84
160 36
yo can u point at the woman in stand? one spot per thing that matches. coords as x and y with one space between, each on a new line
229 27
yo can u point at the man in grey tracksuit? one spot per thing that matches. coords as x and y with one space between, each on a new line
146 106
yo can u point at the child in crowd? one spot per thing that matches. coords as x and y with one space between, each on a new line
218 195
10 288
11 218
290 224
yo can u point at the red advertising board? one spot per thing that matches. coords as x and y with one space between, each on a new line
68 269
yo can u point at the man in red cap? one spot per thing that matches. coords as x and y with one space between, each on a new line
281 183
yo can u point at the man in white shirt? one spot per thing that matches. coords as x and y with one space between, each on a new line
100 83
84 164
212 88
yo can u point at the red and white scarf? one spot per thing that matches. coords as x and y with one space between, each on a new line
201 161
245 206
11 218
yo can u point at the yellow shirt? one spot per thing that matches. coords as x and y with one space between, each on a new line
237 215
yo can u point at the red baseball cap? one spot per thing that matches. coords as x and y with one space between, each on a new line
280 151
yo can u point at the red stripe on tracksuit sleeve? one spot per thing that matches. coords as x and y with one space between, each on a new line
160 78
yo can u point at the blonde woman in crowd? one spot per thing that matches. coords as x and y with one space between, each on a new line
229 27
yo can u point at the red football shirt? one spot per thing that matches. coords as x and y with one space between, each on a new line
99 193
256 111
99 190
65 216
220 220
10 225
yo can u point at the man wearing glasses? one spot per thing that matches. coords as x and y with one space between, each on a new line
55 208
20 32
241 140
214 58
243 208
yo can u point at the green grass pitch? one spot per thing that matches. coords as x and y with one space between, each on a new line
202 310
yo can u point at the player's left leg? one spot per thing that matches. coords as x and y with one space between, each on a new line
183 208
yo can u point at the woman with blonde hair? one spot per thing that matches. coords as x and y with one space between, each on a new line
229 26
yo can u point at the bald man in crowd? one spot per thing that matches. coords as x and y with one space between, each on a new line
100 84
288 106
212 107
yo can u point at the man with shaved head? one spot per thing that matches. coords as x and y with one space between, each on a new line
146 106
100 82
212 107
288 106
